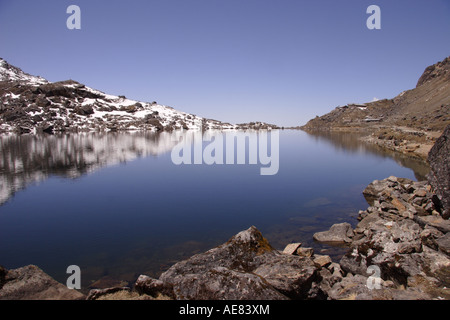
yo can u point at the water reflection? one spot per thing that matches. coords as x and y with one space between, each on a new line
143 217
350 142
27 159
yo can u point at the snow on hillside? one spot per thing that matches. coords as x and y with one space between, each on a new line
30 104
11 73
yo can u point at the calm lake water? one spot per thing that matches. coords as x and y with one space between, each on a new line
117 206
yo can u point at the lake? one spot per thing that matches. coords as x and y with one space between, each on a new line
118 205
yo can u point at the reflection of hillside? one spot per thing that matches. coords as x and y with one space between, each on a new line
29 159
350 142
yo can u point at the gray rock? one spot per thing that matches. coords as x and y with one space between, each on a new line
437 222
429 236
439 176
354 262
153 287
374 190
340 233
222 283
404 236
31 283
349 288
247 267
292 276
443 244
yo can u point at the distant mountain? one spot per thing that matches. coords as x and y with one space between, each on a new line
426 107
30 104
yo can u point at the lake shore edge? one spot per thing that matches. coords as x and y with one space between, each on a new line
414 143
399 250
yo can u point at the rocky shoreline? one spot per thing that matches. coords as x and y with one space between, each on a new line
414 143
399 250
409 123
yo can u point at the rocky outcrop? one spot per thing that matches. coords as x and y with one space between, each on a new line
408 123
438 70
244 268
398 251
439 177
31 283
400 234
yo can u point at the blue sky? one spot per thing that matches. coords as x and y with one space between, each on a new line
282 62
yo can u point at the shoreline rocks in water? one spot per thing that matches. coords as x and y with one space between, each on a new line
399 250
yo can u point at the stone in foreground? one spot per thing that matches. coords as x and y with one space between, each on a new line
31 283
246 267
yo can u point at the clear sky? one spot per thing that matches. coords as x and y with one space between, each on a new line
278 61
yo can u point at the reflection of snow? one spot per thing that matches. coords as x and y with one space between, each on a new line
29 159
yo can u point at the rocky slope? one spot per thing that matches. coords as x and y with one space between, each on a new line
410 122
30 104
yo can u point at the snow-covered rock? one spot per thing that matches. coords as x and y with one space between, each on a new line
30 104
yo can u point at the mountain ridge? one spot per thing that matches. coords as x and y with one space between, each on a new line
410 122
412 108
31 104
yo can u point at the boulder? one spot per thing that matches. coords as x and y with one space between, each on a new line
220 283
31 283
375 188
439 176
246 267
340 233
292 276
